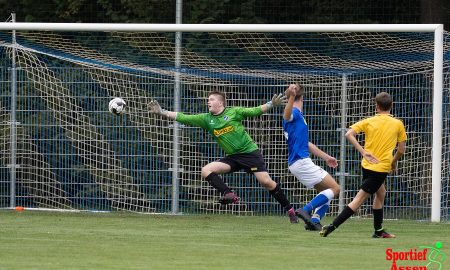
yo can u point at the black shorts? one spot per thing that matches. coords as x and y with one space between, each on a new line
250 162
372 180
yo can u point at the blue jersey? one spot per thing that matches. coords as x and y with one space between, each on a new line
296 133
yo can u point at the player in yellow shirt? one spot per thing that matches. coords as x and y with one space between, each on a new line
382 133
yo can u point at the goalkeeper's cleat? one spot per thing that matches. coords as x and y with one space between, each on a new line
317 227
382 234
229 198
292 215
326 230
304 216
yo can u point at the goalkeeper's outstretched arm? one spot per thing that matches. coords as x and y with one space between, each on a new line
154 107
277 100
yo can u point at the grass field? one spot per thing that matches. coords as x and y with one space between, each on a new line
50 240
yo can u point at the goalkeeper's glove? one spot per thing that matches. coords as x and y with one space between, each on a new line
277 100
154 107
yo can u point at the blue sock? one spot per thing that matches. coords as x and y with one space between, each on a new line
320 213
319 200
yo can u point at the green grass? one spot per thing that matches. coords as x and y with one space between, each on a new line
47 240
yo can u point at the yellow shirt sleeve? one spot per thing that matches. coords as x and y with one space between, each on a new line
402 134
360 126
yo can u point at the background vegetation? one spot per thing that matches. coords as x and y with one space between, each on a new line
230 11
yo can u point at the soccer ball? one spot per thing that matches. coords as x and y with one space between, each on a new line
117 106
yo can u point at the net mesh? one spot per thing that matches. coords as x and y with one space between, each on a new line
73 154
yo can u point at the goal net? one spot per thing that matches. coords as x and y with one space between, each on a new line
71 153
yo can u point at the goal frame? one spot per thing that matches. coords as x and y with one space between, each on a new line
437 29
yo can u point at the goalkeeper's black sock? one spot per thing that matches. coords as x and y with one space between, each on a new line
343 216
279 195
377 219
216 181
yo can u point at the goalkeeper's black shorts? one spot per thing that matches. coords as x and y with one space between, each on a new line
372 180
250 162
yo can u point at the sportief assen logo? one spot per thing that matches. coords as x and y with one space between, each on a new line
424 258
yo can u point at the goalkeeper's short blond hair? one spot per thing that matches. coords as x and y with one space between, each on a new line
220 94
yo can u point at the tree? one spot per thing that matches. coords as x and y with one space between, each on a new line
435 11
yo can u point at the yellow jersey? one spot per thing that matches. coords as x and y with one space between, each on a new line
382 133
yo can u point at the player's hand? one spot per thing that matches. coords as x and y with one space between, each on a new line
278 100
154 107
291 91
370 158
332 162
393 167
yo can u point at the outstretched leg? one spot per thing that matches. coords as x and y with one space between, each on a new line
348 211
210 173
328 189
276 192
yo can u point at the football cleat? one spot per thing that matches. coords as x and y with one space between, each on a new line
316 227
292 215
304 216
326 230
382 234
229 198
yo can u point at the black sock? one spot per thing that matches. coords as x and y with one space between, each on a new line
278 194
377 219
343 216
216 181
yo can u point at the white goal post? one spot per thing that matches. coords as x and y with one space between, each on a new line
438 78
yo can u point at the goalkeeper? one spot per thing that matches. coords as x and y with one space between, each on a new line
225 125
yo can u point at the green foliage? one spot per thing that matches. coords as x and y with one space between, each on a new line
230 11
206 11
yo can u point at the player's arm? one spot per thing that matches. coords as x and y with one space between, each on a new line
154 107
196 120
351 137
277 100
331 161
401 148
290 92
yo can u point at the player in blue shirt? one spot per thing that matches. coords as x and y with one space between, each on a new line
300 164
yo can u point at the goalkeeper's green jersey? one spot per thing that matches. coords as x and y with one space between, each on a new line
226 128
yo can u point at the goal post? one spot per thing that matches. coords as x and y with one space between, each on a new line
108 74
437 122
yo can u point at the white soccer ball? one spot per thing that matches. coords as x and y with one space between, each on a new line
117 106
